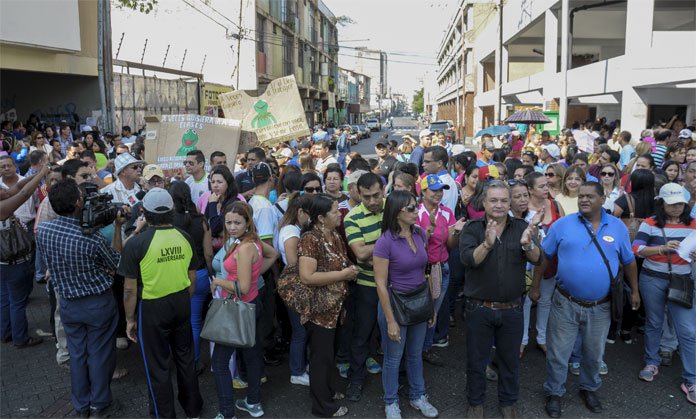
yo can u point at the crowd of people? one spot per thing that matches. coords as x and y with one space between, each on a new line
346 259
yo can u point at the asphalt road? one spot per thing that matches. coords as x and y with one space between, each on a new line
402 126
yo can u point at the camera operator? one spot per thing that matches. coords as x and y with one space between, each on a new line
81 268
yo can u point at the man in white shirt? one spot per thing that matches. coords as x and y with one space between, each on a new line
435 163
265 214
128 172
198 177
323 156
127 136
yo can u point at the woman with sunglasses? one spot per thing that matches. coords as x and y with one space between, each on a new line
399 264
554 173
611 181
311 183
38 142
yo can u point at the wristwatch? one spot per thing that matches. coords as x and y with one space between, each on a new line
529 248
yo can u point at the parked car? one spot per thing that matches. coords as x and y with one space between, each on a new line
373 124
364 131
443 126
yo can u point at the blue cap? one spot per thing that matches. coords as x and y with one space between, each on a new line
433 183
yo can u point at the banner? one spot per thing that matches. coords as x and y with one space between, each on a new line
210 98
169 137
275 116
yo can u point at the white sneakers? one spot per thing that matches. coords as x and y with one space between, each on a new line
302 380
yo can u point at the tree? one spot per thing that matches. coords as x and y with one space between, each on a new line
142 6
418 101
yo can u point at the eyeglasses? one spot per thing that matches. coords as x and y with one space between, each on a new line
40 137
86 176
608 174
136 166
313 190
411 208
514 182
190 163
550 174
153 182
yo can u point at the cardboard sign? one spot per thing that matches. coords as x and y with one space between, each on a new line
169 137
275 116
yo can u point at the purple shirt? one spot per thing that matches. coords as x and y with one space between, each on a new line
406 269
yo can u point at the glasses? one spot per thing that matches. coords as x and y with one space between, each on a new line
313 190
136 166
513 182
39 137
607 174
189 163
86 176
550 174
154 182
411 208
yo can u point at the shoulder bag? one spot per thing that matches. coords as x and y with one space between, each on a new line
681 287
414 306
632 223
433 271
615 283
15 241
230 321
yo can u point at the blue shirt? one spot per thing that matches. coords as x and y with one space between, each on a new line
80 264
627 153
590 178
417 157
581 270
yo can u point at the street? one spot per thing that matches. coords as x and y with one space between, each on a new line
34 386
402 126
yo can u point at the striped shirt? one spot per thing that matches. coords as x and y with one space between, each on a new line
659 154
650 235
363 226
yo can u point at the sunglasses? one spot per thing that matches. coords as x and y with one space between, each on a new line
411 208
608 174
40 137
136 166
513 182
313 190
189 163
549 174
153 182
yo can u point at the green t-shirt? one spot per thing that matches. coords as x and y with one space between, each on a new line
362 225
160 259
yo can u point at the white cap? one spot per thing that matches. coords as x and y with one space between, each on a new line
123 160
553 150
672 193
458 149
158 201
425 133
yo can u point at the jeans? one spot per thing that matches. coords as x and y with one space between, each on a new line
566 321
341 159
412 338
298 344
16 283
430 333
654 292
366 302
200 295
668 342
546 287
483 326
39 267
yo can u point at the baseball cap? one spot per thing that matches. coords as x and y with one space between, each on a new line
458 149
553 150
305 144
424 133
158 201
433 183
383 142
261 172
152 170
284 153
515 133
354 176
673 193
685 133
123 160
488 145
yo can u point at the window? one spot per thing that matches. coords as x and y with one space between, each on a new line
260 37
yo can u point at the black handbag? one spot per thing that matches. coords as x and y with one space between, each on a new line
681 287
15 241
412 307
616 288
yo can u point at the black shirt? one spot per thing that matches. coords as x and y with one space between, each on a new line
501 275
385 167
196 230
245 182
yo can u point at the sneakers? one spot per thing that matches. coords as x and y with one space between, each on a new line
423 405
373 366
432 358
353 392
343 368
29 343
239 384
603 368
690 391
648 373
106 412
121 343
611 341
626 337
491 375
666 358
574 368
392 411
254 410
302 380
441 343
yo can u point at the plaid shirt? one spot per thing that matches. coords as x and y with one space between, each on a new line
80 264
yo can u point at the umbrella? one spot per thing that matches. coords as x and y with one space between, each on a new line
528 117
494 130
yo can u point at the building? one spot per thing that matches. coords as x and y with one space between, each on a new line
300 38
373 64
581 59
353 100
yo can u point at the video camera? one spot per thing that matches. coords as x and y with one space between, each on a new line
98 210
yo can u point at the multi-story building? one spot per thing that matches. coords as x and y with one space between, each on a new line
300 38
373 64
353 96
627 60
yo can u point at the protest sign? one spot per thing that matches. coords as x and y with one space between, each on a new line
275 116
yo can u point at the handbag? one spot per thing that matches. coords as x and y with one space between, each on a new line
433 271
15 241
681 287
632 223
616 288
230 321
412 307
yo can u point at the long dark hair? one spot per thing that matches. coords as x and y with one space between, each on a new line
295 203
661 215
309 177
320 204
224 171
643 192
395 202
245 211
181 195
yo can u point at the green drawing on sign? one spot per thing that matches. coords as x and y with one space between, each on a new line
188 142
264 118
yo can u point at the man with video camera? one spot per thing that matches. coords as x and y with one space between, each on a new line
81 268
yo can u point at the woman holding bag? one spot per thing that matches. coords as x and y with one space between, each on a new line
325 267
399 260
244 263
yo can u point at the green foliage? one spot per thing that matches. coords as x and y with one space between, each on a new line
418 101
142 6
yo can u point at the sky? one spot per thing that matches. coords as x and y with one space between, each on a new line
409 31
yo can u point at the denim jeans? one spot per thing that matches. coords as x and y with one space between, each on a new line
654 292
483 327
39 267
366 302
200 295
412 338
668 342
298 344
16 283
546 287
566 321
438 303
